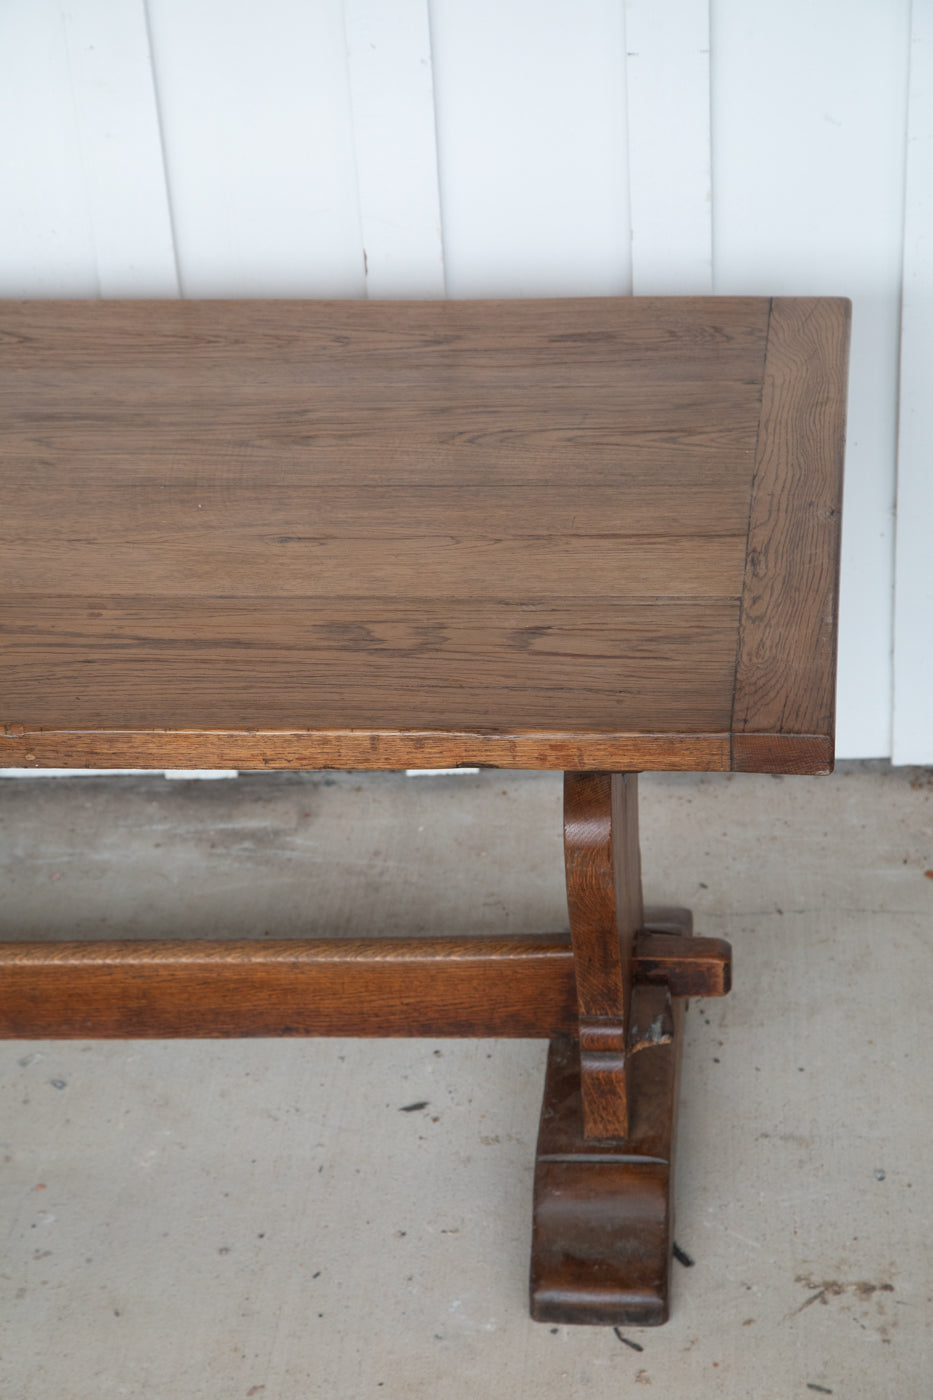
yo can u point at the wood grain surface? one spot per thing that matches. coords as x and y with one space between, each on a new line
603 1219
604 900
785 669
519 986
529 534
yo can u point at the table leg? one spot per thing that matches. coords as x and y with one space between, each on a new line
603 1214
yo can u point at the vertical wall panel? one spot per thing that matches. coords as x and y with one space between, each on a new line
47 243
256 120
392 93
913 619
121 150
83 207
667 81
808 140
531 146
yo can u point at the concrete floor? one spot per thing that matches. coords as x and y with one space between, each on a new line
210 1220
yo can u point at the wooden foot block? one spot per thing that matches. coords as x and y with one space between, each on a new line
603 1211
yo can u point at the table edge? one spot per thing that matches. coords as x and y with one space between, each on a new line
312 749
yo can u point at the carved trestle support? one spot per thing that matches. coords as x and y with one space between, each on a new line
603 1218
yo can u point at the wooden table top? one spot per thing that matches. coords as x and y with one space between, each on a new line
582 534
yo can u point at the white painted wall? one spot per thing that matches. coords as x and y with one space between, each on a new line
83 204
913 618
519 148
531 141
257 128
667 75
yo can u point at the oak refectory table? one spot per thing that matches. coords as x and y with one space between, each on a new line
595 535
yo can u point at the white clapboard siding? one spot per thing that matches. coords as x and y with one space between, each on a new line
392 97
913 617
808 161
258 139
531 146
121 148
667 81
184 773
83 206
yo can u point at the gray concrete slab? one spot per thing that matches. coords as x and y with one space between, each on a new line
264 1219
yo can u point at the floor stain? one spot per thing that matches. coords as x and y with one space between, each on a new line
822 1292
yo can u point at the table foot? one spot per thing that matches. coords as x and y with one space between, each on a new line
603 1210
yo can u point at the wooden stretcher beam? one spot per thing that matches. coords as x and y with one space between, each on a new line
514 987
